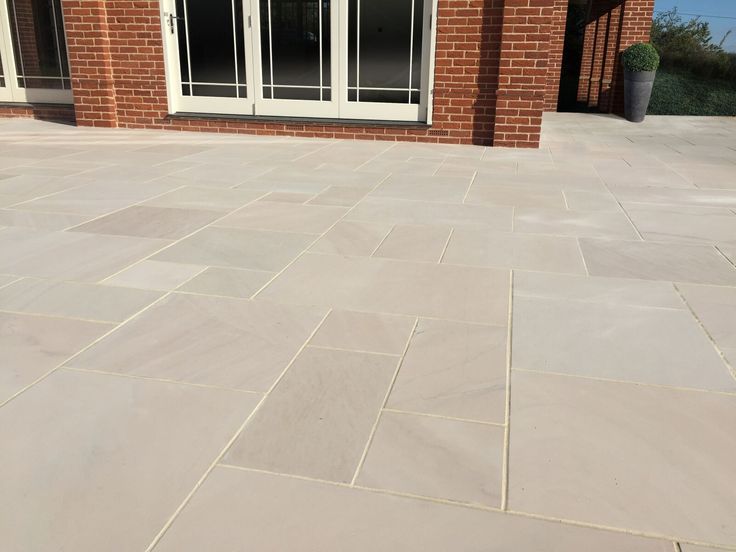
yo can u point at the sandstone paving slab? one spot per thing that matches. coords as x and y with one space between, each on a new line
475 247
415 243
624 291
70 255
435 457
151 222
618 342
352 238
215 341
715 307
318 419
394 287
31 346
454 369
273 512
594 224
363 331
237 248
155 275
98 462
227 282
698 264
624 455
74 300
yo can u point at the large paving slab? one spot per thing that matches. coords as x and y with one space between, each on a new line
624 455
380 285
319 417
274 512
96 461
216 341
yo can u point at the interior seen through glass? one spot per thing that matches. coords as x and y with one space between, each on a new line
2 75
37 33
295 49
385 50
211 47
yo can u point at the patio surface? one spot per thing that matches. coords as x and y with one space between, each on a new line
231 343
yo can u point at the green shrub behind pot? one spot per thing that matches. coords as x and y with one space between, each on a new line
641 57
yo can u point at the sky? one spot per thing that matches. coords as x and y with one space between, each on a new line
718 26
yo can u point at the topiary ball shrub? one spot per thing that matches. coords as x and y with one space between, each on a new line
641 57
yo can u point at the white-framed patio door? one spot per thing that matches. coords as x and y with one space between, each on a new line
386 52
208 56
348 59
34 65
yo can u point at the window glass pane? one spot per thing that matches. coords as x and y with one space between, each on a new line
287 93
211 46
2 75
385 49
292 41
388 96
38 43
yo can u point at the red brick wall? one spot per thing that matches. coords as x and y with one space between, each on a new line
613 25
556 46
116 46
91 61
522 85
60 113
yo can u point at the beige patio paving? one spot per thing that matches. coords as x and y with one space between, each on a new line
218 342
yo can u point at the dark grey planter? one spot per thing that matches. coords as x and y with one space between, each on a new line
637 92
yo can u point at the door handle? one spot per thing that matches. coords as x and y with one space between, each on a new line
171 19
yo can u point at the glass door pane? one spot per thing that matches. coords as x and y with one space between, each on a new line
386 44
296 51
211 48
38 43
209 38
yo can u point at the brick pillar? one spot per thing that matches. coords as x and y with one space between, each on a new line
90 62
522 79
557 45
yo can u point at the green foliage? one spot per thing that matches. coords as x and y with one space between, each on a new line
641 57
681 93
672 34
687 46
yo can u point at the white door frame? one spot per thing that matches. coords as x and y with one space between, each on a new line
390 111
12 92
337 107
178 102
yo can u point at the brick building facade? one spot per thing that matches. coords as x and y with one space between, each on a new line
496 69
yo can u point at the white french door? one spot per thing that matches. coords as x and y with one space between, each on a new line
33 58
349 59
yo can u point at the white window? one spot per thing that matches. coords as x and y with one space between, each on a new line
33 57
348 59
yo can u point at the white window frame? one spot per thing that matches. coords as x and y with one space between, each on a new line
11 92
338 107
